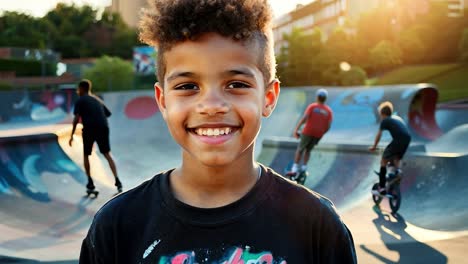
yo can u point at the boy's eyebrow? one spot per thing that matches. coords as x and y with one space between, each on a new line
238 71
241 71
176 75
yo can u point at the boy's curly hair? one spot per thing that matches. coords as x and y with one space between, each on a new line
168 22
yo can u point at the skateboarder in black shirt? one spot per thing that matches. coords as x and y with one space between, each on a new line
93 113
216 72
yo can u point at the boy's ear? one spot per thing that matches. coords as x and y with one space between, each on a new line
160 100
271 97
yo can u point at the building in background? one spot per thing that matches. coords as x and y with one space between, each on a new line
327 14
128 9
456 7
23 68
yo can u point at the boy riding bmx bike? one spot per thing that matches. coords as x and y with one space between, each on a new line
394 151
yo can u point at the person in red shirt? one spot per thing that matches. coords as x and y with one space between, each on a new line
317 118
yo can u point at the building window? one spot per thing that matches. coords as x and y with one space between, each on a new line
341 21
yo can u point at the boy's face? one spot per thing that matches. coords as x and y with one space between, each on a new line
213 99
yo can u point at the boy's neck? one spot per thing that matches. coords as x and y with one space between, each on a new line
210 187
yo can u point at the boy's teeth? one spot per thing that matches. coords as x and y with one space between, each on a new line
212 131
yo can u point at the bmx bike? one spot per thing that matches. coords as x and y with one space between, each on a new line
392 189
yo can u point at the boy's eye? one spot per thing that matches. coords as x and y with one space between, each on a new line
187 86
238 85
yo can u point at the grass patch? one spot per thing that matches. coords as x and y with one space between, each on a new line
415 74
451 79
452 85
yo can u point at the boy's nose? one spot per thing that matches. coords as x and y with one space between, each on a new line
212 103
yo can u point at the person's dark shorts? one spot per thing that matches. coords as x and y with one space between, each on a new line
395 150
307 143
100 136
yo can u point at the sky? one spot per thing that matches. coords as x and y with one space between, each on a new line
40 7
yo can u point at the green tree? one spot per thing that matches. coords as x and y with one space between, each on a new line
439 33
464 46
296 60
384 56
335 76
110 73
110 35
355 76
341 45
412 47
70 22
21 30
79 33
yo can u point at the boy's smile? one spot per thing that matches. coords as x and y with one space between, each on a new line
214 97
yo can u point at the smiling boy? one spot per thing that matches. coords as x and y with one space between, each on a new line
216 72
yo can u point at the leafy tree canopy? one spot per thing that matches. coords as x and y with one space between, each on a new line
110 73
70 30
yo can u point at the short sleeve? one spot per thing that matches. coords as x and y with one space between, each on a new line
77 108
107 112
309 109
336 244
97 247
384 124
88 253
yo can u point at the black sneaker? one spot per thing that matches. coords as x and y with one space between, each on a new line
90 186
118 184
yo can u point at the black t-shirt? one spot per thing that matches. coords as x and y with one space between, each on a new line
397 128
276 222
92 111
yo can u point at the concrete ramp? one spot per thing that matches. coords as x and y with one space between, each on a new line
140 141
43 213
432 182
434 207
455 140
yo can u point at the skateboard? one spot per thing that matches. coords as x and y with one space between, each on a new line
298 177
92 193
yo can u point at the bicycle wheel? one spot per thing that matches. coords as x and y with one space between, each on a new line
395 200
377 199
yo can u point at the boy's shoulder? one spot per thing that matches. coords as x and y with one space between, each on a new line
297 196
135 200
308 210
319 105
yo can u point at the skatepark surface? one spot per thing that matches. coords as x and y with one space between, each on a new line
44 215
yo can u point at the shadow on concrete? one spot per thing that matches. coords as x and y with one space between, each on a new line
392 229
54 234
